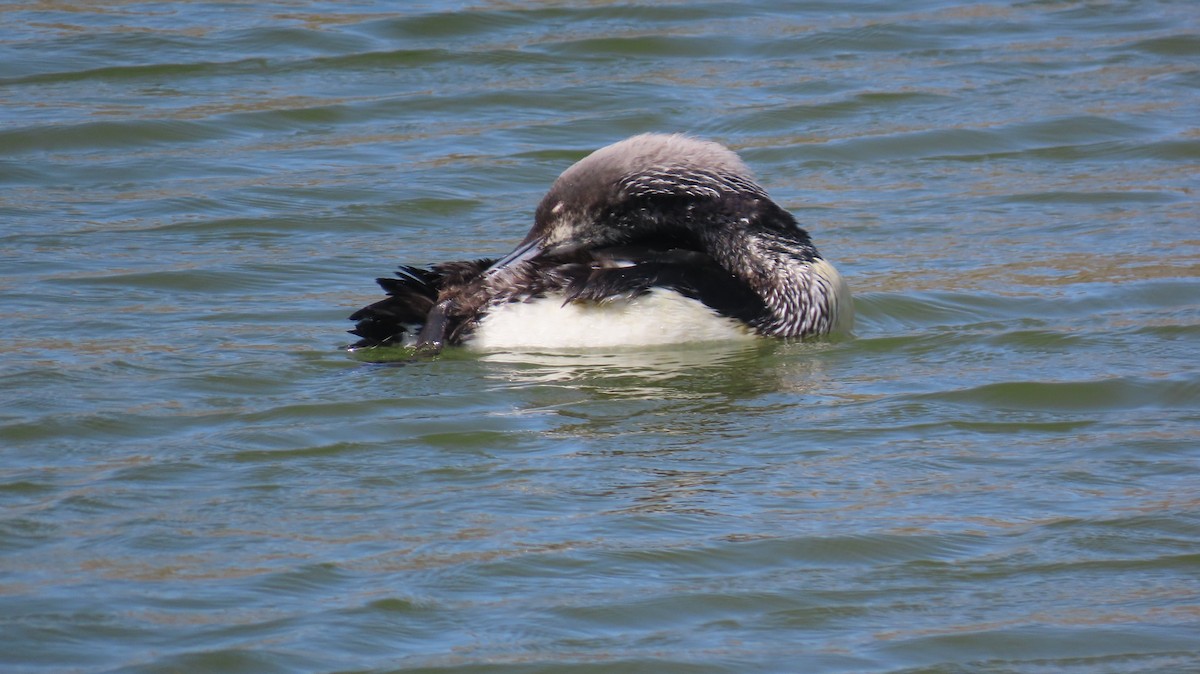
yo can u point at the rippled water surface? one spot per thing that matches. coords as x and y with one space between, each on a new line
998 473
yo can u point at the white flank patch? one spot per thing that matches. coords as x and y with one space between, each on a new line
658 317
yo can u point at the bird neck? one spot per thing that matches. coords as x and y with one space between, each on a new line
801 291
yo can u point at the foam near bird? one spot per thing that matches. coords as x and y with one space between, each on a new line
656 239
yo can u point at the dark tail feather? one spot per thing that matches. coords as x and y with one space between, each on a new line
411 296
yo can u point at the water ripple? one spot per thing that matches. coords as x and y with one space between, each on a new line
995 473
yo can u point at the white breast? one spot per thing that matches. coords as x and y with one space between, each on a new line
658 317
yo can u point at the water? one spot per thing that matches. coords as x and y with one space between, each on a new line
998 473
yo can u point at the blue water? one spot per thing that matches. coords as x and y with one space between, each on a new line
997 473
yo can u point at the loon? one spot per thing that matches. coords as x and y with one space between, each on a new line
656 239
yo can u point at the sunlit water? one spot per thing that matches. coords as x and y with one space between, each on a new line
998 473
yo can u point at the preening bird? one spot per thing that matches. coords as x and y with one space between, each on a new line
656 239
